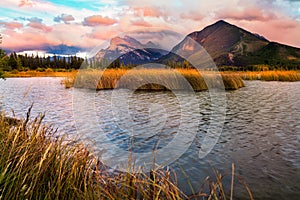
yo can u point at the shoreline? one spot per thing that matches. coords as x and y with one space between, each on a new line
31 74
270 75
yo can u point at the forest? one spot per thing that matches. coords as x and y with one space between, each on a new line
26 62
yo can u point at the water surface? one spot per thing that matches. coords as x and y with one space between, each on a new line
261 133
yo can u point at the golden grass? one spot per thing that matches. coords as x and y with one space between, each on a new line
230 78
33 73
36 163
287 76
157 79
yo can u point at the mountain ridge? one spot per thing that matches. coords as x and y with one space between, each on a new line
230 45
227 44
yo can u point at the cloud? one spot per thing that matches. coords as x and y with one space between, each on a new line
17 41
247 14
286 24
140 23
102 35
41 26
193 15
147 12
35 19
65 18
26 3
84 26
97 20
12 25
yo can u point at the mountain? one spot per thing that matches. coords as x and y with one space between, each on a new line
228 44
128 50
62 49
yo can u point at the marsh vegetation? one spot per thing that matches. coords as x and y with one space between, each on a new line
36 162
158 79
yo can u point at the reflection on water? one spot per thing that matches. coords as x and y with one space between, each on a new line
261 134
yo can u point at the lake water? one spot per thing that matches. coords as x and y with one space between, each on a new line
261 133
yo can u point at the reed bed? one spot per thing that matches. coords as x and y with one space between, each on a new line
285 76
33 73
37 163
151 79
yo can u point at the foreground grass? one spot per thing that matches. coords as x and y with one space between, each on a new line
158 79
285 76
36 163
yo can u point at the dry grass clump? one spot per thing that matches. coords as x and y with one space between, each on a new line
287 76
232 82
37 163
149 79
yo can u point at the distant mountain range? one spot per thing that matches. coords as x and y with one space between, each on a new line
128 50
61 49
227 44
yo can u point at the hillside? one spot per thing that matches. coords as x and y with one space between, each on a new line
128 50
228 44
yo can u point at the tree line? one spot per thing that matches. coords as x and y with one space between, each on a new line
14 61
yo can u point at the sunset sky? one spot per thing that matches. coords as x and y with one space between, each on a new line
31 24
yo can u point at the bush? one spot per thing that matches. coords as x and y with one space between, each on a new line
40 69
49 70
1 74
15 71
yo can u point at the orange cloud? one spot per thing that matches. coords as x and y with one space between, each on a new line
12 25
97 20
39 25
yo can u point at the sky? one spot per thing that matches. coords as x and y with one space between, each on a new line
32 24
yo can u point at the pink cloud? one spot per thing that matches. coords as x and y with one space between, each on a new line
27 3
102 35
282 30
12 25
65 18
286 24
147 12
39 25
248 14
97 20
194 15
27 39
141 23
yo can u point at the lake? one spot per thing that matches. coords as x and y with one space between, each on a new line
260 135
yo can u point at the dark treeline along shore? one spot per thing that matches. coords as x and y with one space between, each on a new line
30 62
